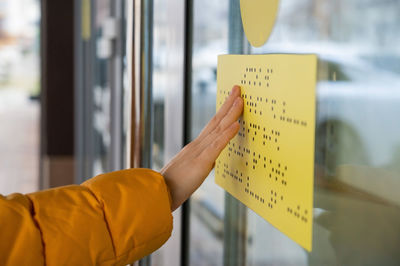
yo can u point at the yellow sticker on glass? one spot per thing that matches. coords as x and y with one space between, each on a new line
258 17
269 165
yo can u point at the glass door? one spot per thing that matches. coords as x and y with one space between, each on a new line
100 56
356 207
357 150
210 38
157 82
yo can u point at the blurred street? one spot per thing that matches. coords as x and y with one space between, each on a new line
19 135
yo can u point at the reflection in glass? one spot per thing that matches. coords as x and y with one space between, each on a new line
210 32
101 93
160 78
357 134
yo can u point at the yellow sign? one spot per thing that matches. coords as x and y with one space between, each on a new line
86 18
258 18
269 165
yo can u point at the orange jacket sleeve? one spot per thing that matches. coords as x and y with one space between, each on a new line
112 219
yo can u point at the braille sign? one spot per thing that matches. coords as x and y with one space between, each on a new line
269 165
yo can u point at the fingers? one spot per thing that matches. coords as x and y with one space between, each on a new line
212 152
235 93
232 115
225 108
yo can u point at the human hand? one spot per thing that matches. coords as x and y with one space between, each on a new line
188 169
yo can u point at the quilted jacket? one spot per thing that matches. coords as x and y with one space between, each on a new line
111 219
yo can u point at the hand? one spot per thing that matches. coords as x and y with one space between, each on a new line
188 169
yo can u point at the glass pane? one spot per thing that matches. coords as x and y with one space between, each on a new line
210 32
357 174
160 77
168 91
101 91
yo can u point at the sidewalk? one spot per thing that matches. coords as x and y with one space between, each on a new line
19 142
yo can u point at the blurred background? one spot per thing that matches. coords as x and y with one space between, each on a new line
69 69
19 95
